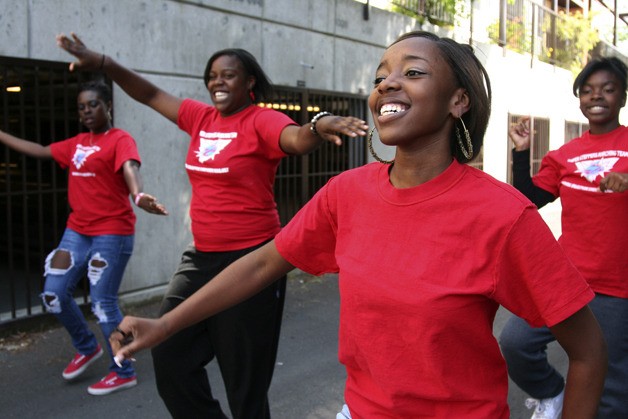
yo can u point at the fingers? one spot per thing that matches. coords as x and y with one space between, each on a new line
614 182
120 342
330 128
150 204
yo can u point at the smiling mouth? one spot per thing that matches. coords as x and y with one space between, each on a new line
391 109
220 95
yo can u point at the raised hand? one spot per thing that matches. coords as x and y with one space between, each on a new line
519 134
87 59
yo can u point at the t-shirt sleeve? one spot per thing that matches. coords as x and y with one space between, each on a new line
269 124
548 177
308 241
190 112
535 279
62 152
126 149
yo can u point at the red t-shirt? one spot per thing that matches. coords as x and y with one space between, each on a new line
231 163
422 272
97 191
594 224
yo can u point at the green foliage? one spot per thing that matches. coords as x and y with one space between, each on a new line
517 34
566 39
439 12
575 38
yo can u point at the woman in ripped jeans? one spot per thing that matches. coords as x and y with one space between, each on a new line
103 166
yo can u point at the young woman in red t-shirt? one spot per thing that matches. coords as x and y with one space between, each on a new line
590 176
103 166
426 248
235 149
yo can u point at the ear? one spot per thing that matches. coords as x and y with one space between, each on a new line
459 104
250 83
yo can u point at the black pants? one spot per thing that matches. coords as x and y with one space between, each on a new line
243 339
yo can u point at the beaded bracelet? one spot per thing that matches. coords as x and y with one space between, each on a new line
137 198
315 120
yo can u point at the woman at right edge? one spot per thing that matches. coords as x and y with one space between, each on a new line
427 248
590 175
235 149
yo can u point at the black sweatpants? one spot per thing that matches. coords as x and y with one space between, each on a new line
243 339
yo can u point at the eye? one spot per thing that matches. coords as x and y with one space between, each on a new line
378 80
414 73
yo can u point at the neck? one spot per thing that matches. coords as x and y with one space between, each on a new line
603 129
101 130
410 172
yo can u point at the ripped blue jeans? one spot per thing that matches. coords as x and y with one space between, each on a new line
104 259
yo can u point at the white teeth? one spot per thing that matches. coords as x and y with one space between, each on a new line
391 108
220 95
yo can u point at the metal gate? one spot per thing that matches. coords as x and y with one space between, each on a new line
38 102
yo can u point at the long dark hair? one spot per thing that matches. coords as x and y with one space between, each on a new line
262 88
471 76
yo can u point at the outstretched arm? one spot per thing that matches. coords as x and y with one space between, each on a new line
302 140
133 179
26 147
242 279
132 83
581 337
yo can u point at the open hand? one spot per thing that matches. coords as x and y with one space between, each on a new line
87 59
149 204
331 127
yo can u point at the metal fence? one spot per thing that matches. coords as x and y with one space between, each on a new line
33 193
38 103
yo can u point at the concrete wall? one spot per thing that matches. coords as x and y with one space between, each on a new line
170 41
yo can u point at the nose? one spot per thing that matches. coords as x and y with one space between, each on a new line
596 94
390 83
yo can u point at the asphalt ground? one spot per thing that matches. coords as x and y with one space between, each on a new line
307 384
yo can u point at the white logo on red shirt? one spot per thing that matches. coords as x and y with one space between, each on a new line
591 169
209 149
82 153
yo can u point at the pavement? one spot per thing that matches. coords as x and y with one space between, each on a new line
308 381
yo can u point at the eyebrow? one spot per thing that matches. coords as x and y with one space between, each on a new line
406 57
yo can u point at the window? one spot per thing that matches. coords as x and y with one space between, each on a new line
574 130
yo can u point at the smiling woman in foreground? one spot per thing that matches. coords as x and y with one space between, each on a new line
426 248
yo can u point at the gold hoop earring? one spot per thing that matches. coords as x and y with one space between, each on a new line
372 151
468 151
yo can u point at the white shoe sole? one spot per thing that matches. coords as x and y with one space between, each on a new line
104 391
83 368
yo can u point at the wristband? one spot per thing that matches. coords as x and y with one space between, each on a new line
315 120
137 198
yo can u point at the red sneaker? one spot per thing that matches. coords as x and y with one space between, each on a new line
80 363
112 382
